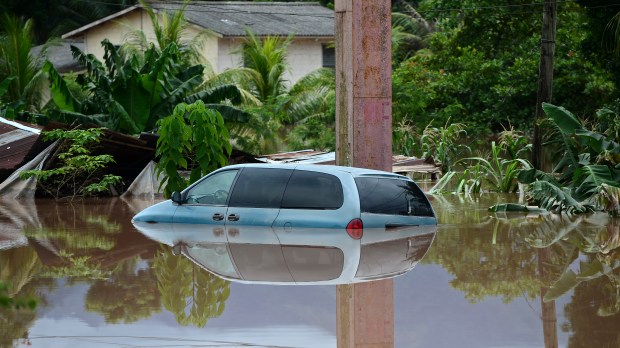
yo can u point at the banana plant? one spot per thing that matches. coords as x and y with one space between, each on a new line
130 93
587 175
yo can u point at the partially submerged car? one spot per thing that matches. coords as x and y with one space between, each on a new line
287 196
296 224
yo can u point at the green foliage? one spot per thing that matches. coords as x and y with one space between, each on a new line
130 93
405 139
608 120
52 18
7 301
481 66
171 27
297 116
265 61
588 171
192 131
499 173
79 173
25 87
444 143
409 29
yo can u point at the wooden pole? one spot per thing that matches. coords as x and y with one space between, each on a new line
545 76
365 312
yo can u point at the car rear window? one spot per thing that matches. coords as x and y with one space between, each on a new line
313 190
260 188
392 196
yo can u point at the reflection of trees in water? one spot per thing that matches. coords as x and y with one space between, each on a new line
18 267
75 232
192 294
584 319
481 268
129 294
593 240
15 325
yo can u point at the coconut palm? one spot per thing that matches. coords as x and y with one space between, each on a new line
16 62
171 27
409 30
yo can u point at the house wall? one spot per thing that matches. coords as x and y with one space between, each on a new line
304 55
116 30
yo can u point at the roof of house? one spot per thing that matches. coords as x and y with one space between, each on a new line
60 55
231 19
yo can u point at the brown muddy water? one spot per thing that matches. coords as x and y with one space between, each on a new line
100 283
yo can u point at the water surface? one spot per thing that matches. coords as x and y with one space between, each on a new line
100 283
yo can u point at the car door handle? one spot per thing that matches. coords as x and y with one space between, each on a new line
233 217
218 217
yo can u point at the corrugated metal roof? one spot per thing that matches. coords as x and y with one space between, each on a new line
400 163
16 139
60 55
231 19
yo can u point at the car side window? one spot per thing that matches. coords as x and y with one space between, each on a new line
213 190
260 188
313 190
392 196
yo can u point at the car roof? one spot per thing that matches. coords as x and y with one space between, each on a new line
323 168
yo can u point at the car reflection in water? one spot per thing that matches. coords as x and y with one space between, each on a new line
307 256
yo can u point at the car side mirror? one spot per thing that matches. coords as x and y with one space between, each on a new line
177 197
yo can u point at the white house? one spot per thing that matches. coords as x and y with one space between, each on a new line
311 24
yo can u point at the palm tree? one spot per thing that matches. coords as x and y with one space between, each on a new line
409 30
263 70
17 64
171 27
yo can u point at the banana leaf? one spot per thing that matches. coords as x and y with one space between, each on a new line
591 178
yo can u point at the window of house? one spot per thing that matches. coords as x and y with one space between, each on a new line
329 56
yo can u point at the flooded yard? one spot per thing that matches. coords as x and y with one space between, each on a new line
98 282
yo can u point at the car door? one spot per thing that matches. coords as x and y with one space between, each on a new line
315 200
205 203
256 197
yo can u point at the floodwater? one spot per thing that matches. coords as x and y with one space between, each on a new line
98 282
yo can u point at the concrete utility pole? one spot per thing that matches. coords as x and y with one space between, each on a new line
545 75
365 312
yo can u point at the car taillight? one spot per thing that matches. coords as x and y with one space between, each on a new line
355 228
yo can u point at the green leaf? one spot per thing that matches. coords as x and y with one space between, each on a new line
567 282
563 118
60 92
4 86
591 178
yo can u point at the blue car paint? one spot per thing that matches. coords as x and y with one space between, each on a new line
169 212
